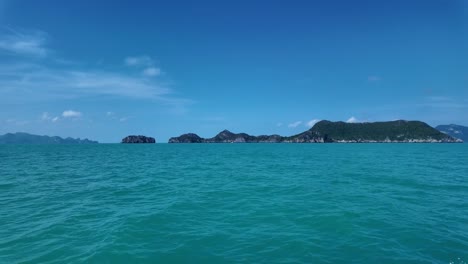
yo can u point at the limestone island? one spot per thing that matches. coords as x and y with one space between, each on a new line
138 139
400 131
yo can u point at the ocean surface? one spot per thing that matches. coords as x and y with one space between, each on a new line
234 203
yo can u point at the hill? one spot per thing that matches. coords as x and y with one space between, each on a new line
455 131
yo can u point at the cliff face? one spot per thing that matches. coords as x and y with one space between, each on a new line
399 131
138 139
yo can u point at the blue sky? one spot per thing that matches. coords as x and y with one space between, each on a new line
106 69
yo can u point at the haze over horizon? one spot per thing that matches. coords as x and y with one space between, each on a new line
107 70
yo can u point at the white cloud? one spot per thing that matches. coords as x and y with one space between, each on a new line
295 124
26 44
352 120
312 122
144 61
71 113
47 117
116 117
279 124
152 71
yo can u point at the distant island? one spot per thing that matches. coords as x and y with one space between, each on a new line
137 139
455 131
25 138
400 131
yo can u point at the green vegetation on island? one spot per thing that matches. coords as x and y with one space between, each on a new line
392 131
399 131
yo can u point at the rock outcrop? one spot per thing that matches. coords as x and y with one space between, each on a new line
138 139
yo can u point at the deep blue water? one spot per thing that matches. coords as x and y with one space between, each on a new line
227 203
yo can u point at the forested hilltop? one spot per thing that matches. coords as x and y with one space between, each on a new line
399 131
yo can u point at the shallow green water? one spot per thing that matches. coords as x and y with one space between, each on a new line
224 203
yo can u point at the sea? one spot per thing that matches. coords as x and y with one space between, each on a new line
234 203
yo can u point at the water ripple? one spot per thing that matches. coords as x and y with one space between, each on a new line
223 203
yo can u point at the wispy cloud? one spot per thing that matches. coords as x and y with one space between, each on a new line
143 61
352 120
373 78
32 82
279 124
446 102
71 113
45 116
23 43
152 71
48 118
27 80
116 117
312 122
12 121
117 84
295 124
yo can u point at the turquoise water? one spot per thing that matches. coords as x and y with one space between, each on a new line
226 203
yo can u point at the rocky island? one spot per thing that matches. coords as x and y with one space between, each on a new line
400 131
138 139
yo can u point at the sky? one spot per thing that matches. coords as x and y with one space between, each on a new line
107 69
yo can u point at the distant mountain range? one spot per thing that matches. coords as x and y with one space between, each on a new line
455 131
399 131
25 138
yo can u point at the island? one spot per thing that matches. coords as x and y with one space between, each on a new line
26 138
399 131
455 131
138 139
